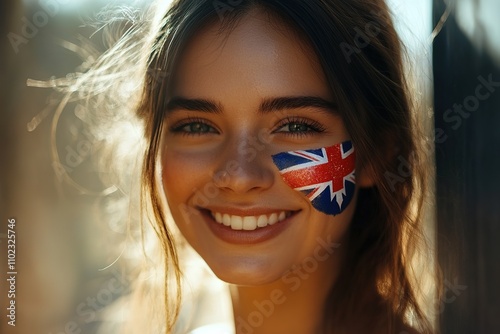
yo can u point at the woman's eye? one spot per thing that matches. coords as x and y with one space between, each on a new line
299 127
296 127
195 127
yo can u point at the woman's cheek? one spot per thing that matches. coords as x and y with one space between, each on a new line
185 174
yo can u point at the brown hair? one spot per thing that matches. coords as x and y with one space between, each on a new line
361 56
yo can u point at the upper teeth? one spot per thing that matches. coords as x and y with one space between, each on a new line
249 223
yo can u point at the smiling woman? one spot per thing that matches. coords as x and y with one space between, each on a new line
270 147
245 73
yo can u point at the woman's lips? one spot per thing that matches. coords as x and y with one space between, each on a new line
247 229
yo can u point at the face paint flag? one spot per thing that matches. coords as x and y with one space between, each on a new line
325 175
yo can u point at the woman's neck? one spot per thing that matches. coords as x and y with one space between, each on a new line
292 304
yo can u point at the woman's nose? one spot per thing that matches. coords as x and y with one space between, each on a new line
244 166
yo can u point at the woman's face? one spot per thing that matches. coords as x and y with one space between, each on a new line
226 118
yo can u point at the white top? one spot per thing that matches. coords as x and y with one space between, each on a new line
220 328
206 307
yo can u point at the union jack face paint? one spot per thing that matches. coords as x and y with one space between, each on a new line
325 175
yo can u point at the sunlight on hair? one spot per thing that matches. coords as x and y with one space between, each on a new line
76 5
413 21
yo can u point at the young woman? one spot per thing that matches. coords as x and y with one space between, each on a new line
281 135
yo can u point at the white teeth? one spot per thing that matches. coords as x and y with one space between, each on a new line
249 223
226 219
262 221
236 222
273 219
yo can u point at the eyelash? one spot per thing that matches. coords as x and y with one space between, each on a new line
178 127
314 127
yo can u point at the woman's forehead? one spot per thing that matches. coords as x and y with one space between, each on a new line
260 53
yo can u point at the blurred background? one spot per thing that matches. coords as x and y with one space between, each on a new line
63 242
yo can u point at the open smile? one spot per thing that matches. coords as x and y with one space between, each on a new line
248 227
250 223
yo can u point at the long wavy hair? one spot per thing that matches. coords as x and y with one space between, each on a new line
362 59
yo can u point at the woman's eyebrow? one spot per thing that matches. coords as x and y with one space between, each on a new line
267 106
180 103
295 102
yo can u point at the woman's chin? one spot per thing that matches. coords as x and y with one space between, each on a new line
252 274
245 280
